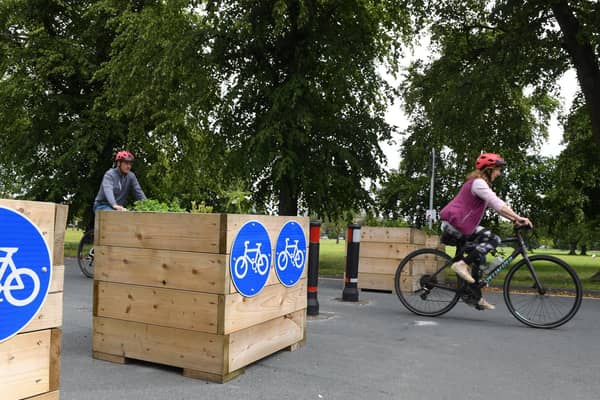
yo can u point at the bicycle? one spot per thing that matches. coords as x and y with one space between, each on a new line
427 286
85 254
295 255
15 275
260 262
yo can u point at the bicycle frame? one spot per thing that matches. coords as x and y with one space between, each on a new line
520 250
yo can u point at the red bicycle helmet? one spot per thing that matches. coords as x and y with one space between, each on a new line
489 160
124 155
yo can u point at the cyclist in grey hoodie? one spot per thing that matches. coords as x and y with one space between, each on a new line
117 183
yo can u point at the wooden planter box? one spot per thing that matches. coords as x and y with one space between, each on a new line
381 251
163 293
30 361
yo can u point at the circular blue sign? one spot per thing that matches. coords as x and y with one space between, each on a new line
25 272
290 253
250 259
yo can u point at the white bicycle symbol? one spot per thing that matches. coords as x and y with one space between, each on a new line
259 263
291 252
16 276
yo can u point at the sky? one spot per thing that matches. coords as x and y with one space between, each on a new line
552 147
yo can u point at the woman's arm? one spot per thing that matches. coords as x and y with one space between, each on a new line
508 213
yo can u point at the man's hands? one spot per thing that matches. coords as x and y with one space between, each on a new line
119 208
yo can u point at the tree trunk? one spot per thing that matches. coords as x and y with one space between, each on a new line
573 248
288 200
584 60
583 250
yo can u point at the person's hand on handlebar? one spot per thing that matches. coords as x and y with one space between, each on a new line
119 208
521 221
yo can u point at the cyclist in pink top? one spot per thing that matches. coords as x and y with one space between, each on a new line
461 217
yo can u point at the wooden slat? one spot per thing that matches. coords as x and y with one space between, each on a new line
165 307
386 250
385 235
49 316
60 225
378 265
252 344
203 272
40 213
273 224
55 351
46 396
274 301
25 365
58 279
161 231
376 281
171 346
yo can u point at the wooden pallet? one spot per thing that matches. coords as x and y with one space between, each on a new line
171 301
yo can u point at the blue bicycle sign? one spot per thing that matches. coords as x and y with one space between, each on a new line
250 259
291 253
25 272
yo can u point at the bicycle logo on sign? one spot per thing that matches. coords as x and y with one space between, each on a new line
291 252
14 280
259 263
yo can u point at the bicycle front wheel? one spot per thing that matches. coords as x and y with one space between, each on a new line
551 305
424 286
85 254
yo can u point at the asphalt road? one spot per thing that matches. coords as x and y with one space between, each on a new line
374 349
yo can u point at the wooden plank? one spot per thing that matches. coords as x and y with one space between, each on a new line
418 237
160 231
205 376
58 279
25 365
386 250
40 213
376 281
385 235
60 226
432 241
49 316
274 301
166 307
254 343
46 396
273 224
378 265
170 346
203 272
55 351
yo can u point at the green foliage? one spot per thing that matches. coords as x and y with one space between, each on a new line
200 208
152 205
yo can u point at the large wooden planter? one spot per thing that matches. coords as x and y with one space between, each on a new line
30 361
381 251
163 293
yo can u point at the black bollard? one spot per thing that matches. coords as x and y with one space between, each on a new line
313 268
350 292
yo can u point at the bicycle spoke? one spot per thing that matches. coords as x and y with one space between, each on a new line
555 304
420 288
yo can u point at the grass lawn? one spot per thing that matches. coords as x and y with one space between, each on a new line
332 259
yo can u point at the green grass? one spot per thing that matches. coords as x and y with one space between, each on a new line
332 259
332 262
72 238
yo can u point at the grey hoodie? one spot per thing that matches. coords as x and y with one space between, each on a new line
115 188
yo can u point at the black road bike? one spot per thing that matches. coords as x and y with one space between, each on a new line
540 291
85 254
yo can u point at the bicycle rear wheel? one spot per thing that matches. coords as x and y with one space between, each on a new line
554 304
416 279
85 254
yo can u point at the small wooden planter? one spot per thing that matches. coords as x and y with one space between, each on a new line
30 361
163 293
381 251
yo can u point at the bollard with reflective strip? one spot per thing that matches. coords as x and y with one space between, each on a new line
313 268
350 292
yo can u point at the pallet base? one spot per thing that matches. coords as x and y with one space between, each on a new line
46 396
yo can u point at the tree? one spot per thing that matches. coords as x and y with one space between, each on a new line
303 110
55 141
